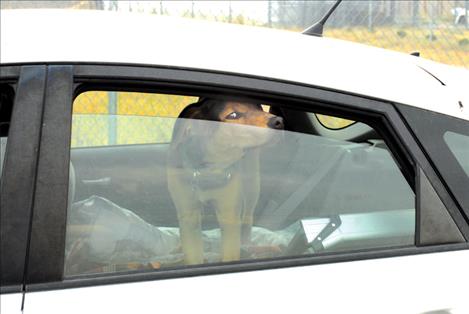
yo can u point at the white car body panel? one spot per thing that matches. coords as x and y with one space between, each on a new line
62 36
11 303
411 284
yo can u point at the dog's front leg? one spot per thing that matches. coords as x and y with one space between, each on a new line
229 218
250 193
190 221
231 238
189 212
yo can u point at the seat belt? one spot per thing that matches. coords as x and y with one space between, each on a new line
291 203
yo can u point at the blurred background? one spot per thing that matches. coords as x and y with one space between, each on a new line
438 29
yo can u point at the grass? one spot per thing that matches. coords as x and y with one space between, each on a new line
444 42
448 45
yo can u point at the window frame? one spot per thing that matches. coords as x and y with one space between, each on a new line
45 274
18 183
430 128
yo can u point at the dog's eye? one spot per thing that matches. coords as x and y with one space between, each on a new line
233 115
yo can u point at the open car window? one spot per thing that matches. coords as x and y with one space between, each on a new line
150 189
100 118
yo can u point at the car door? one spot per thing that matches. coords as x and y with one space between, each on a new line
346 221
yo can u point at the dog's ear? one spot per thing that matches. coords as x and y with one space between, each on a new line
204 109
191 111
210 109
190 140
182 125
185 125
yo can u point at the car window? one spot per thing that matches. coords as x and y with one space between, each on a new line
6 105
444 138
459 146
160 181
333 123
123 118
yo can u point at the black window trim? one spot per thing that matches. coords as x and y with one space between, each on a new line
430 128
19 173
10 73
48 227
141 78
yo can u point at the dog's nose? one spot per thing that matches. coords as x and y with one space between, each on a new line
276 123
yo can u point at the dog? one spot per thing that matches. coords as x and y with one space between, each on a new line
216 165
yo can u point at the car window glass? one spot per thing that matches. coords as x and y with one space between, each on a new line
6 105
110 118
459 147
226 181
333 123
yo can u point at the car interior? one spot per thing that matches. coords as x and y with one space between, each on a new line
322 190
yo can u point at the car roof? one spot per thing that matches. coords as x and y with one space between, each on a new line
37 36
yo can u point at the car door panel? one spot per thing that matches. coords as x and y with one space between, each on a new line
411 284
11 303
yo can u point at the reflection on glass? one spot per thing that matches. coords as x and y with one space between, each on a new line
459 146
277 193
334 123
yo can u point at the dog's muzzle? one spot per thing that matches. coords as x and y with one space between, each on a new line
276 123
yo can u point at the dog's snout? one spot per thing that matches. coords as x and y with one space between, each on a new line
276 123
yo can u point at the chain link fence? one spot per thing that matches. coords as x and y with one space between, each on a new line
123 118
439 30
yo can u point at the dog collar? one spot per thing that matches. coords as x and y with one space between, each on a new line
210 178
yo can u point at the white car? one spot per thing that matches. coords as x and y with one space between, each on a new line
460 15
362 203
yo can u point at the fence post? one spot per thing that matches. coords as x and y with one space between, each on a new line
99 5
432 20
370 15
230 12
112 109
392 12
415 13
467 13
303 14
113 5
269 13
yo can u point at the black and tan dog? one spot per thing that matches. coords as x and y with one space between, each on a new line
216 165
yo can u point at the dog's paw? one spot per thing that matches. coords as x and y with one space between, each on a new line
264 251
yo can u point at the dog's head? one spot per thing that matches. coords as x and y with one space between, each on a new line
238 126
230 114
